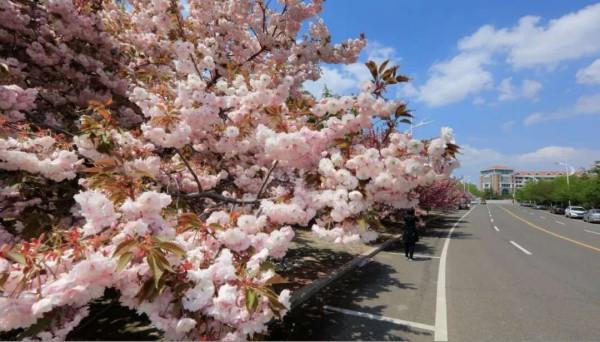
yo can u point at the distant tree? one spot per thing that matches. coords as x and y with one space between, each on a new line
472 188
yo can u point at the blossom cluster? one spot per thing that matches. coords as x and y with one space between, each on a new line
170 154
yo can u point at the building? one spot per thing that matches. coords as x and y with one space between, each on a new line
522 177
502 180
498 179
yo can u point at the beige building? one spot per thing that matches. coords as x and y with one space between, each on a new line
503 180
498 179
522 177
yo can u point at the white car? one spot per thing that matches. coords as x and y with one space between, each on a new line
575 212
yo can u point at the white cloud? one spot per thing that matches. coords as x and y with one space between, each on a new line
454 80
339 81
553 154
589 74
531 43
585 105
534 118
347 78
588 104
478 101
475 159
528 90
407 90
506 89
508 125
378 52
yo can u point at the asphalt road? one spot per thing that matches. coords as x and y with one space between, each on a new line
511 273
547 288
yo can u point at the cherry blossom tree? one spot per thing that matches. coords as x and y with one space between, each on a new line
443 194
170 153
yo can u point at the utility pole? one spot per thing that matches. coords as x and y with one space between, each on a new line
568 169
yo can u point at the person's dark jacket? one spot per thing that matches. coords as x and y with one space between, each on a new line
410 234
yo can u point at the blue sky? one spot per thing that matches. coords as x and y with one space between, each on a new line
519 81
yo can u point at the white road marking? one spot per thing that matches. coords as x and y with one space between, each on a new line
560 222
496 228
441 311
521 248
591 231
381 318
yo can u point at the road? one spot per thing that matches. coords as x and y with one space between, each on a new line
508 273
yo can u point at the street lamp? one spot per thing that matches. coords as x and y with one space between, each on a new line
568 169
419 124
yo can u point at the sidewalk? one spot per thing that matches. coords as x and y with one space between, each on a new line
389 298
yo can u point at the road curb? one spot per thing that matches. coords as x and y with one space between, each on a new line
306 292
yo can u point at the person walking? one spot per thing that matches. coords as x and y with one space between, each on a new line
410 235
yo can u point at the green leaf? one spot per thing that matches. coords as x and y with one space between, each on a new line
251 300
274 302
216 226
266 266
162 261
17 257
383 65
172 247
402 78
124 246
372 68
276 279
124 261
4 68
156 271
362 223
387 74
147 291
3 278
158 238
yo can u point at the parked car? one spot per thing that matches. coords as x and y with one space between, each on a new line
540 207
592 215
575 212
483 201
526 204
557 210
464 205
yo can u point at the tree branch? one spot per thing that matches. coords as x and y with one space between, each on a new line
264 183
215 196
189 167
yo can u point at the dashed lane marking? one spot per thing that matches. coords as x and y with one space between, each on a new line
560 222
591 231
521 248
496 228
579 243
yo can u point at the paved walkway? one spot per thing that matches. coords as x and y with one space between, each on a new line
389 298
